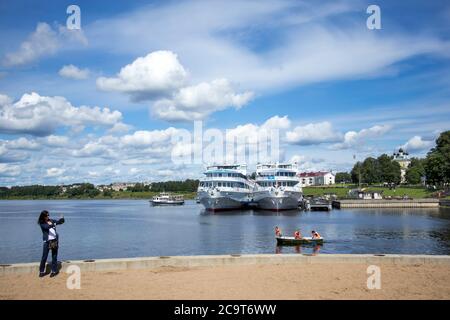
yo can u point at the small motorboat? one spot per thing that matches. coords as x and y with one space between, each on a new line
292 241
167 199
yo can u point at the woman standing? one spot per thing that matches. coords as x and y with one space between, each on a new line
50 237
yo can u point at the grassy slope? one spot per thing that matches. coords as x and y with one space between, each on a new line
341 192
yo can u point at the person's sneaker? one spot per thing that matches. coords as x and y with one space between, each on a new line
53 274
41 274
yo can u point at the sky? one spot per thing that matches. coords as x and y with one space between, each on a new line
109 101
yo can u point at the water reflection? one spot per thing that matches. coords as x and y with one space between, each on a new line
314 249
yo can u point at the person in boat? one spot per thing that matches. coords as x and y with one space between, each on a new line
315 235
297 234
278 232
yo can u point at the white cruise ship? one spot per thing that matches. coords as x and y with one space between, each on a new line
225 187
278 188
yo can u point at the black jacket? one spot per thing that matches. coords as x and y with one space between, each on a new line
45 227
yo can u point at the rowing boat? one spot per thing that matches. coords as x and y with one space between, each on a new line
291 241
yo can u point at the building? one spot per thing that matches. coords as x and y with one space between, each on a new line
365 195
118 186
402 157
319 178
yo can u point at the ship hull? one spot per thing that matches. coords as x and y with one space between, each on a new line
221 201
278 201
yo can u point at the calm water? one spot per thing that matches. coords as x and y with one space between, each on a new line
133 228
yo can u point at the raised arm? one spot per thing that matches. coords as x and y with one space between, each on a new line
59 221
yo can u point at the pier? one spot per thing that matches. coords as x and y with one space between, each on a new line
386 203
444 202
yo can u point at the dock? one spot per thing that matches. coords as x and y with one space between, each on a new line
386 203
444 203
322 206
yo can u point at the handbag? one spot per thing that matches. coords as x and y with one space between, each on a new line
53 244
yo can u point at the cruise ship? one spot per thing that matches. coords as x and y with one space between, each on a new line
278 188
225 187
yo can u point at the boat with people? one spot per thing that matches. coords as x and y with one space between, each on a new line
297 239
165 198
279 187
225 187
293 241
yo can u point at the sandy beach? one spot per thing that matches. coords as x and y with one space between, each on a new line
281 281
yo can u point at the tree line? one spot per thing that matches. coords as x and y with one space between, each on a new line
88 190
435 167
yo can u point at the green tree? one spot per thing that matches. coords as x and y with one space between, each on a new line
437 162
356 171
389 169
415 171
343 177
370 172
107 193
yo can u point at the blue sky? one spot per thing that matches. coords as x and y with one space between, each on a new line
310 69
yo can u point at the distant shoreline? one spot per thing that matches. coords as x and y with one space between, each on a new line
121 195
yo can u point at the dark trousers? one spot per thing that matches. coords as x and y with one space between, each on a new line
45 251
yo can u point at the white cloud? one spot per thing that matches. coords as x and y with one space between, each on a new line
160 77
157 74
144 138
44 41
94 149
120 128
41 115
356 139
55 172
7 170
315 42
73 72
197 102
277 122
8 155
313 133
22 144
56 141
417 143
4 100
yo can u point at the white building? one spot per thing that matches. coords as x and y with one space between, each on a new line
403 160
118 186
319 178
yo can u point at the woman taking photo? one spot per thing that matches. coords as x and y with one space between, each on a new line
50 237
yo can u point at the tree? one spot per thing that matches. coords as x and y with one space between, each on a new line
107 193
382 169
437 162
389 169
370 172
356 172
415 171
343 177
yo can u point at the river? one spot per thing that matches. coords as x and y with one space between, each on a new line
97 229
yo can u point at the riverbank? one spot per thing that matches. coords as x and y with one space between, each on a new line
387 203
115 195
245 277
341 191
